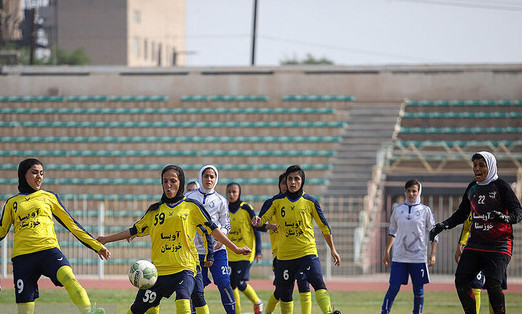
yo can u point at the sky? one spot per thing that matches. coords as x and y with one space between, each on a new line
354 32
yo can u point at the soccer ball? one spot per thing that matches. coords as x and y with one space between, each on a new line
143 274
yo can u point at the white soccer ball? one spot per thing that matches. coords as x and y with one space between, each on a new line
143 274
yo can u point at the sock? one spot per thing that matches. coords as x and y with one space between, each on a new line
287 307
476 292
203 309
25 308
238 300
306 302
418 298
76 292
153 310
323 300
251 294
272 304
183 306
227 299
393 289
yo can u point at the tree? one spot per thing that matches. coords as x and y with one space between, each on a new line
309 59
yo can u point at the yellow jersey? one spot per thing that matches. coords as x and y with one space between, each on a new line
32 218
294 219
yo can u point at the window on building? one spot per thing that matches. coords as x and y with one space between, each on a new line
153 51
145 49
136 15
137 47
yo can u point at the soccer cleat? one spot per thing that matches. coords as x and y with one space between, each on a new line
258 307
336 312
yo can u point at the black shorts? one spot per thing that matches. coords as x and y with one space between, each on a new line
28 268
239 271
492 264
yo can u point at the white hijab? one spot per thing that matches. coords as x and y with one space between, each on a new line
491 162
202 188
417 200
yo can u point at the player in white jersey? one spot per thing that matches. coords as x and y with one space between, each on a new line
410 224
217 207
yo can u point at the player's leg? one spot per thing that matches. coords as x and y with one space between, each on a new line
234 283
274 298
285 277
220 274
476 286
305 295
199 303
25 278
469 266
311 267
398 277
419 277
494 271
242 275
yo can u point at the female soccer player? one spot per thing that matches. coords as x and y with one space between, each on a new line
35 250
494 208
302 285
217 208
410 224
171 224
242 233
294 212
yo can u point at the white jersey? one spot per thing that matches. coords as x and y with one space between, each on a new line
217 207
410 226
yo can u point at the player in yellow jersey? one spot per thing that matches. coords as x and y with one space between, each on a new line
171 225
303 287
295 212
36 250
242 233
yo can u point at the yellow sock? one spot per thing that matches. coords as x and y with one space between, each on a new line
272 304
183 306
306 302
25 308
323 300
203 309
238 303
287 307
251 294
476 292
76 292
153 310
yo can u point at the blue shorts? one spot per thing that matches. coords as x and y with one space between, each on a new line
182 283
239 271
287 271
28 268
219 269
401 271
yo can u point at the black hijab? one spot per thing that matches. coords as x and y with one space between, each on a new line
298 193
23 167
233 207
181 177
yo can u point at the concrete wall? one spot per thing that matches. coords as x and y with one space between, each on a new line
365 83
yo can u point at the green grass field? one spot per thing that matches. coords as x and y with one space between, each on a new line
118 301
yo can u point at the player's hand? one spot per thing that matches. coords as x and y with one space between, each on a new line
218 245
242 250
258 258
438 229
386 259
496 216
208 263
256 221
336 258
458 252
104 253
129 240
431 260
272 227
